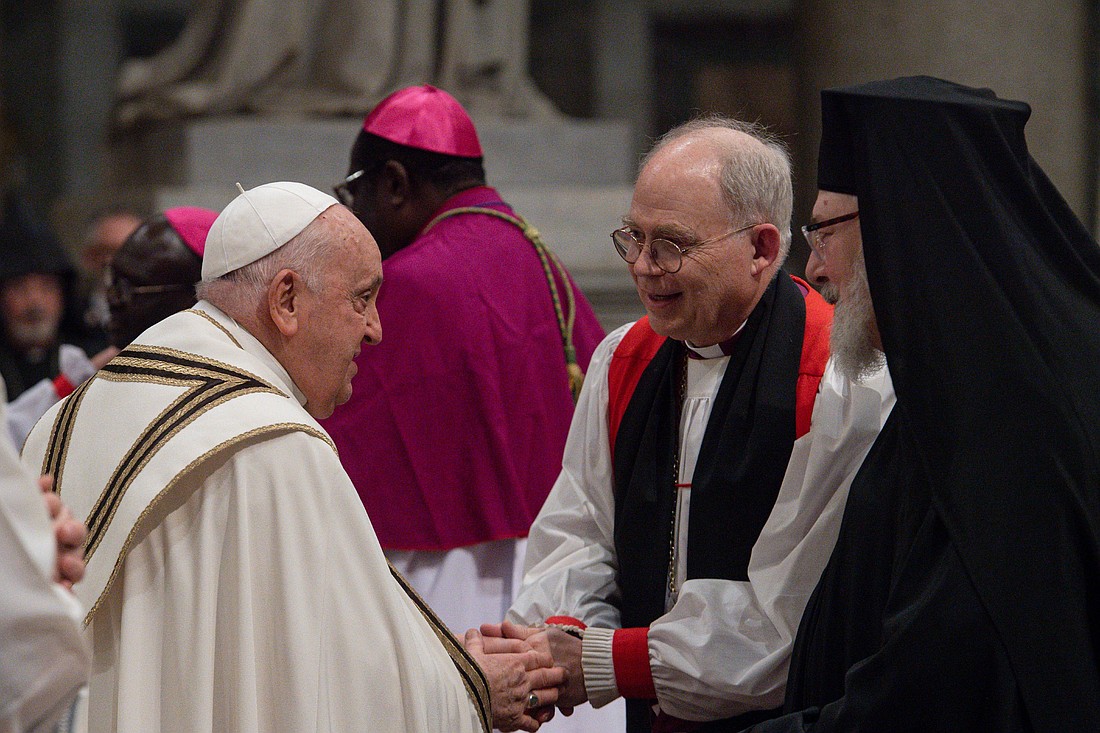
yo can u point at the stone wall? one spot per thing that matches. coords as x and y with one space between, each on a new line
1034 51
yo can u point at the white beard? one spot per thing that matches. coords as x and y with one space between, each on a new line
852 341
36 330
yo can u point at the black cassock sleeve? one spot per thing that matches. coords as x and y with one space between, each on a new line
941 667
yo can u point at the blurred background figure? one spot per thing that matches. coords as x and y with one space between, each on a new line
39 362
153 275
105 235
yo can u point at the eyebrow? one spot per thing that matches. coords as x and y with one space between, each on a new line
374 284
665 231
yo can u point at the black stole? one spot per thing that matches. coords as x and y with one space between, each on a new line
740 467
20 375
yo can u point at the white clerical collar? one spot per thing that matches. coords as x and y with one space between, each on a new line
252 345
715 351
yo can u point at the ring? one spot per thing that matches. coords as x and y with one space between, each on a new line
532 701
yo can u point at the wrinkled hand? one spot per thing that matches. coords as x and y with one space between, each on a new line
515 670
508 636
69 533
565 650
522 638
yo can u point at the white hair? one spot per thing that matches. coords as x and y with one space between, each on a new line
242 288
755 180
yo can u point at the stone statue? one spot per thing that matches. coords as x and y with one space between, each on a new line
334 57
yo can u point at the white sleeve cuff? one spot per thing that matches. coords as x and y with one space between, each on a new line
599 666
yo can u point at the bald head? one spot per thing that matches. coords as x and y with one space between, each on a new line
752 166
106 236
707 228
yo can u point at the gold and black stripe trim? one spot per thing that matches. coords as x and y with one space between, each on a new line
473 678
53 463
266 431
215 323
211 383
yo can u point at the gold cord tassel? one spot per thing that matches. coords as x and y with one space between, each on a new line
576 379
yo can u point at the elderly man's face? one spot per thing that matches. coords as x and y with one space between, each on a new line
341 316
839 269
107 237
31 307
830 266
678 197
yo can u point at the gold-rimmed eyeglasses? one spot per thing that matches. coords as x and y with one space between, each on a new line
667 255
816 238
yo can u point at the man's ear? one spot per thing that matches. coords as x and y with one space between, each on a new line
765 243
283 301
394 184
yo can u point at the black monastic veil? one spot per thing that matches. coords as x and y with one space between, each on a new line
964 590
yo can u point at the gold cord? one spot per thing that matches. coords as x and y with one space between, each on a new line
550 265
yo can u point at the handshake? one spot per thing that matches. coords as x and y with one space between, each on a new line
530 671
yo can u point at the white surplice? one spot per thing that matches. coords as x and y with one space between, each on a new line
240 586
466 586
43 659
723 647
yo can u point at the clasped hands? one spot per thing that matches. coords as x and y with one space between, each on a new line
531 670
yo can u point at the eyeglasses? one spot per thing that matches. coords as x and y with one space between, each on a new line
668 256
122 292
816 238
343 190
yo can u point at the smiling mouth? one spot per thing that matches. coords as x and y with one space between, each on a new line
659 298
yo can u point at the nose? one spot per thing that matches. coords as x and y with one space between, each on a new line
372 333
815 268
645 265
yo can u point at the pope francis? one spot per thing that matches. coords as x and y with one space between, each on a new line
234 581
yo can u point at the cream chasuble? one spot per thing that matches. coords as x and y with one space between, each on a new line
235 582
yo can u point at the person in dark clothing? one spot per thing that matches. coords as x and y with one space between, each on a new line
36 279
963 593
41 353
